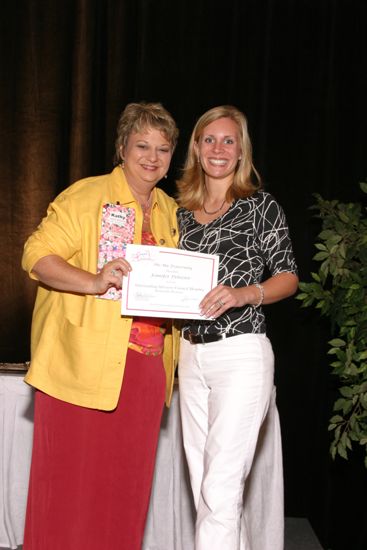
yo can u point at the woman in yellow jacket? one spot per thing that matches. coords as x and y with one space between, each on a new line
101 378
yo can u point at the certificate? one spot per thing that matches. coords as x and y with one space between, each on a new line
167 282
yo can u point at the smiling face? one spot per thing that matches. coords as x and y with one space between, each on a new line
218 149
147 157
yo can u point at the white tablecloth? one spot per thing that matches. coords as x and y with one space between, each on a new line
170 523
16 432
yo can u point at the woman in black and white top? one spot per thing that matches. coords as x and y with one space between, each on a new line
226 366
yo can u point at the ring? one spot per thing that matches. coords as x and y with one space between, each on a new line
114 272
219 301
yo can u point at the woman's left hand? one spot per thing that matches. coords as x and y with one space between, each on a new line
221 298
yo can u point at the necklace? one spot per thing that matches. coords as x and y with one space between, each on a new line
214 211
145 207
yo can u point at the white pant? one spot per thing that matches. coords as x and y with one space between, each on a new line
225 392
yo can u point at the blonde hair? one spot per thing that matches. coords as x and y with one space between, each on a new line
137 117
191 185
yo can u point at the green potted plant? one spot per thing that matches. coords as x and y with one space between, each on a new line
339 291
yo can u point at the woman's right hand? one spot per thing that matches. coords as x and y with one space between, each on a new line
58 274
111 275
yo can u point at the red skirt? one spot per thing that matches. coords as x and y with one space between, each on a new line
92 470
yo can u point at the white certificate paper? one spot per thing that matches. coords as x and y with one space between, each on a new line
167 282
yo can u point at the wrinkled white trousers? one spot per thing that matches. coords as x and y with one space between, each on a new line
226 391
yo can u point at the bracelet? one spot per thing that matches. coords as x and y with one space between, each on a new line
261 299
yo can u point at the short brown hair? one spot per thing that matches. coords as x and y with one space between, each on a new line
136 117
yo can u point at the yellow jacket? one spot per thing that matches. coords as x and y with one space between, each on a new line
79 342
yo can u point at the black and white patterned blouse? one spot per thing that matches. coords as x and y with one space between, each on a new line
251 235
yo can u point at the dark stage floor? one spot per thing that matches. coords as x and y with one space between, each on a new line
299 535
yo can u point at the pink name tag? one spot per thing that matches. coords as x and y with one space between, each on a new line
117 230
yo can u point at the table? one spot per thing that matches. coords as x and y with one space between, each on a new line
170 522
16 431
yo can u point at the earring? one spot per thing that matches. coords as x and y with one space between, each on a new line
165 177
122 163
